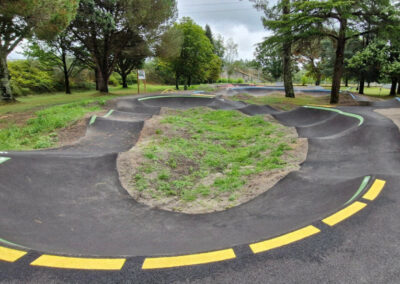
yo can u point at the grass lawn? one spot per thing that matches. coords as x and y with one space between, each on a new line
279 101
40 130
200 153
49 112
27 103
373 91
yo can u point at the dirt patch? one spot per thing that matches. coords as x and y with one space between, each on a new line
256 184
72 133
19 119
391 113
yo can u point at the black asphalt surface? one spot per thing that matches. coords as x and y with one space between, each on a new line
69 201
265 90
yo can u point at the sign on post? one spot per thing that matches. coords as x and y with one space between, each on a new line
141 75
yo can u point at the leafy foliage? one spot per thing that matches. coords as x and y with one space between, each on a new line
30 76
193 58
108 28
21 19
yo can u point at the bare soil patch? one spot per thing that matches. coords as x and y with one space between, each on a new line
72 133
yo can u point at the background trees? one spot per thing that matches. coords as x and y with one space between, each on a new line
269 59
57 53
231 53
340 21
21 19
191 57
276 19
107 28
306 24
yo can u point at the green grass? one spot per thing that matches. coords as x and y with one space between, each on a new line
34 102
55 111
225 144
38 101
373 91
281 102
39 132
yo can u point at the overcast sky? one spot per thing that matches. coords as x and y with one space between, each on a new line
234 19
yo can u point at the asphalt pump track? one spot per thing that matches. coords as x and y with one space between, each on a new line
65 207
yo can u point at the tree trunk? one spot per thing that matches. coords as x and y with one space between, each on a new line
318 80
346 81
287 60
398 87
177 81
5 87
362 83
66 75
369 84
339 59
190 81
393 87
103 81
124 81
96 78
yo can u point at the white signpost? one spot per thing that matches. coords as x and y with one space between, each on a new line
141 75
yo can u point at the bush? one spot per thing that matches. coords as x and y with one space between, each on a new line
30 75
113 81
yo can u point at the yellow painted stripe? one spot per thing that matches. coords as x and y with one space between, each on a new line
190 259
79 262
284 239
375 189
10 255
344 213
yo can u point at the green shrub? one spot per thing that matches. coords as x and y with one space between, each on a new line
30 75
113 81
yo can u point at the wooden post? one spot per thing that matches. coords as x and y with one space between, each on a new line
138 82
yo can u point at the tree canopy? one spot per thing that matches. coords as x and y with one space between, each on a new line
193 59
21 19
107 28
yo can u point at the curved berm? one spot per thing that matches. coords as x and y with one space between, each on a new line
265 90
70 200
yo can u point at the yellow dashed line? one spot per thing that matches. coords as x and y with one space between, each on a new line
375 189
344 213
11 255
79 262
284 239
190 259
